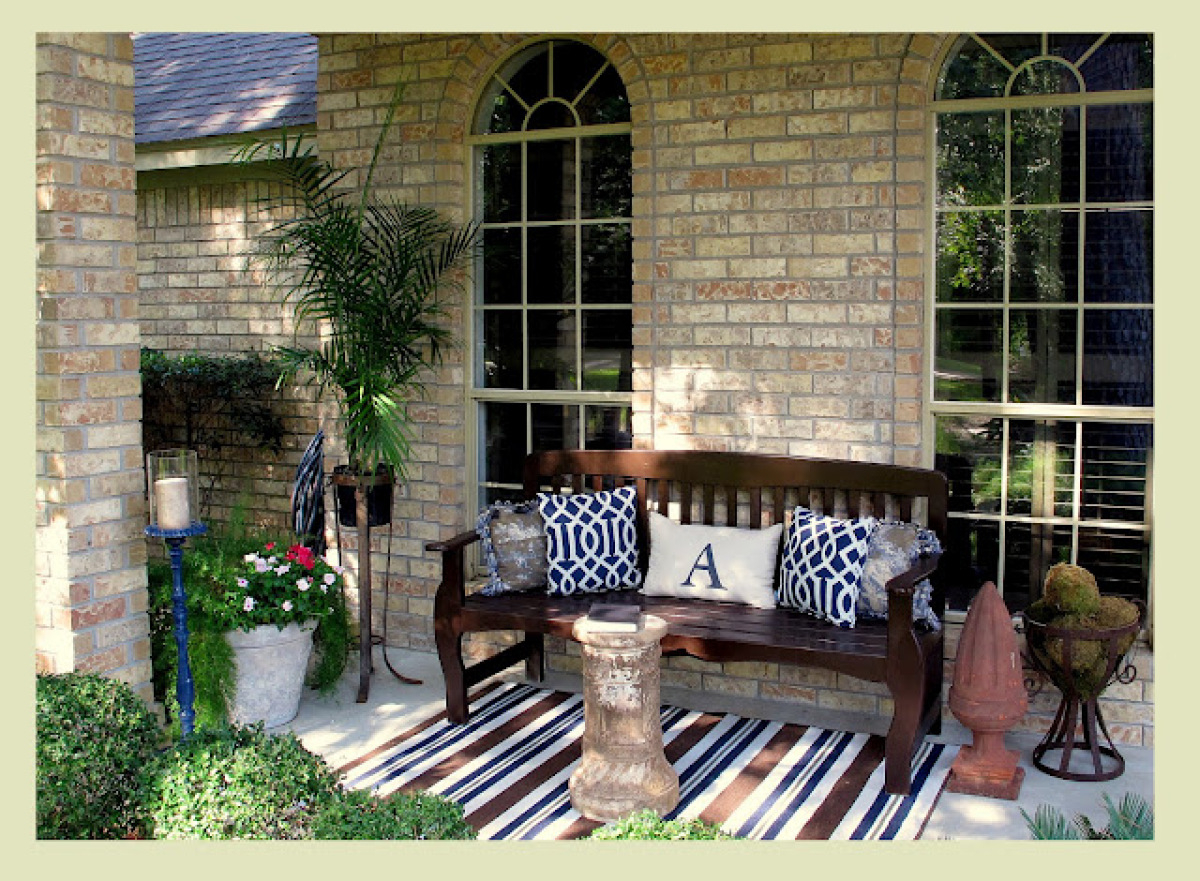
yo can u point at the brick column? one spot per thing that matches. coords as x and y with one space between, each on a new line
90 573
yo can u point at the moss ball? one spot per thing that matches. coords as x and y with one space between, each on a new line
1088 659
1071 589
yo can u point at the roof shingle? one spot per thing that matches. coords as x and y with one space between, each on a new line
193 85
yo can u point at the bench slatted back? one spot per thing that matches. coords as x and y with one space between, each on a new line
732 489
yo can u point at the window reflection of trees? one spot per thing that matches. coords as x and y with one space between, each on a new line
1043 243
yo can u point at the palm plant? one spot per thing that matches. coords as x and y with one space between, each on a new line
1130 819
373 269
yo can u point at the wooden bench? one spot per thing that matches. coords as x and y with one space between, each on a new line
734 489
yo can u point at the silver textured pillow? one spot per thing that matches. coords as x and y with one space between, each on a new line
893 549
514 547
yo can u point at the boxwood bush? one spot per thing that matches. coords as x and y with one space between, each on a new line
649 826
357 814
94 736
237 782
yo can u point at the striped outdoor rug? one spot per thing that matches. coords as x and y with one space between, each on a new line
509 768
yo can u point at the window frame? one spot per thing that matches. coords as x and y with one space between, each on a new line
1078 413
476 395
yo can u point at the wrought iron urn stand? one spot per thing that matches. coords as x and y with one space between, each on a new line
1081 663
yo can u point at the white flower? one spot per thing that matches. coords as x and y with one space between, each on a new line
248 605
287 605
250 558
242 582
324 588
283 570
329 578
303 584
260 565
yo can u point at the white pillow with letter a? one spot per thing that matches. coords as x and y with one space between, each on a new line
723 563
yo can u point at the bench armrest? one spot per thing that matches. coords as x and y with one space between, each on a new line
452 589
451 544
906 582
902 634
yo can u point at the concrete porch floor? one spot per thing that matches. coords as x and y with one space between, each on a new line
339 729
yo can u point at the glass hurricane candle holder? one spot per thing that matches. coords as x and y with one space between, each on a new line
172 477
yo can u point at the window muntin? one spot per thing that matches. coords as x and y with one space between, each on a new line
553 307
1042 334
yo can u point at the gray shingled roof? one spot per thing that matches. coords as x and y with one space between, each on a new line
191 85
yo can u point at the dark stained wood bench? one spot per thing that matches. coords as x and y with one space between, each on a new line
697 486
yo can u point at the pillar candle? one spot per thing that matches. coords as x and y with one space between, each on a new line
171 501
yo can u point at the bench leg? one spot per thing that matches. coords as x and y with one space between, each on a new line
535 661
449 646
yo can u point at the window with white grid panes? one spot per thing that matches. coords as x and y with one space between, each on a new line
552 328
1042 296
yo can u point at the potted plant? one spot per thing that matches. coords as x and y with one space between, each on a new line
269 613
371 270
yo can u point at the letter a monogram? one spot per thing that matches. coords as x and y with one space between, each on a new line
709 566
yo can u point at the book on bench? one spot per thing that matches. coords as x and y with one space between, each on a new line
617 617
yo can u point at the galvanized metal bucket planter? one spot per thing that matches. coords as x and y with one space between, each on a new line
271 664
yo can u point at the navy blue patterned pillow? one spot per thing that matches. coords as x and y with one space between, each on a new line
591 541
514 547
822 565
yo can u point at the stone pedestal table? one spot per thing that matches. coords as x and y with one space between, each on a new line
623 768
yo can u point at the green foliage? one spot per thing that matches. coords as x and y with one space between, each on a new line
211 565
271 585
1131 819
207 403
648 826
370 268
359 815
94 735
237 782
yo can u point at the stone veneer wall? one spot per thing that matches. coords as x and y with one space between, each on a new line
90 577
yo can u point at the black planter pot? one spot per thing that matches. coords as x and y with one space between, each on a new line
379 496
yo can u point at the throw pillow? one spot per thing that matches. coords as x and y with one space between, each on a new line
514 547
591 541
894 548
721 563
822 565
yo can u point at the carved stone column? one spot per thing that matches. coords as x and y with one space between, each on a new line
623 768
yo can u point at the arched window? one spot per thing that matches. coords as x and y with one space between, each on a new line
552 365
1042 304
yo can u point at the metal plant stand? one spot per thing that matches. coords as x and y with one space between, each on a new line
1082 665
185 690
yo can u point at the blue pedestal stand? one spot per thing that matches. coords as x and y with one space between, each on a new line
185 690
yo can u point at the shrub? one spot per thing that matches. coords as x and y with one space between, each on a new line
237 782
359 815
649 826
94 735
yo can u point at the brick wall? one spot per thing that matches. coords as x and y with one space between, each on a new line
90 552
200 292
779 247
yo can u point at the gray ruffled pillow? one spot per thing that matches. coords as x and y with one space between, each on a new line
894 548
513 537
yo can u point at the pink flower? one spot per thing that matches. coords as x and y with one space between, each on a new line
303 584
248 605
283 570
287 605
260 565
242 582
329 578
270 545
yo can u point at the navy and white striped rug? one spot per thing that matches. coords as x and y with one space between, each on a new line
509 768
